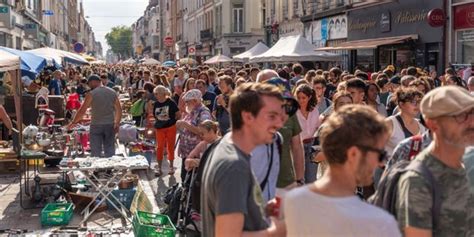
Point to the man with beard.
(449, 114)
(352, 141)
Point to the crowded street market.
(353, 118)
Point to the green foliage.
(120, 41)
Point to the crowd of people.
(299, 152)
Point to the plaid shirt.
(402, 150)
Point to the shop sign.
(385, 21)
(464, 16)
(331, 28)
(168, 40)
(410, 17)
(363, 26)
(436, 17)
(192, 50)
(4, 10)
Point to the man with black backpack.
(431, 196)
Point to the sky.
(102, 15)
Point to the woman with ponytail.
(308, 118)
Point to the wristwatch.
(300, 182)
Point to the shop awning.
(370, 43)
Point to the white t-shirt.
(310, 214)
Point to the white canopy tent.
(291, 49)
(8, 61)
(58, 56)
(218, 59)
(257, 49)
(151, 61)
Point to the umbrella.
(151, 61)
(58, 56)
(30, 63)
(8, 61)
(169, 64)
(89, 58)
(218, 59)
(188, 61)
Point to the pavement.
(13, 217)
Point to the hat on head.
(93, 77)
(395, 80)
(391, 68)
(284, 88)
(193, 94)
(446, 101)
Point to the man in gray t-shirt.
(231, 198)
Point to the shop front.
(402, 33)
(330, 32)
(464, 33)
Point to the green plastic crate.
(147, 224)
(56, 214)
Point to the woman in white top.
(404, 124)
(308, 118)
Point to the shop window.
(365, 59)
(465, 46)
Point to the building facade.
(29, 24)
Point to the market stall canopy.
(218, 59)
(188, 61)
(30, 64)
(169, 64)
(259, 48)
(87, 57)
(292, 49)
(151, 61)
(8, 61)
(370, 43)
(58, 56)
(98, 62)
(129, 61)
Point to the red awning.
(370, 43)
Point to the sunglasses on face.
(382, 153)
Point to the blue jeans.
(102, 138)
(310, 168)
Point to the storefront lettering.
(410, 17)
(358, 25)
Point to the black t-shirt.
(165, 113)
(208, 100)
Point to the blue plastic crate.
(125, 196)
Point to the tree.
(120, 41)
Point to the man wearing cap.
(449, 114)
(196, 112)
(106, 114)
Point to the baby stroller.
(179, 208)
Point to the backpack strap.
(404, 128)
(415, 146)
(420, 168)
(270, 155)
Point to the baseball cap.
(193, 94)
(284, 88)
(395, 80)
(93, 77)
(446, 101)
